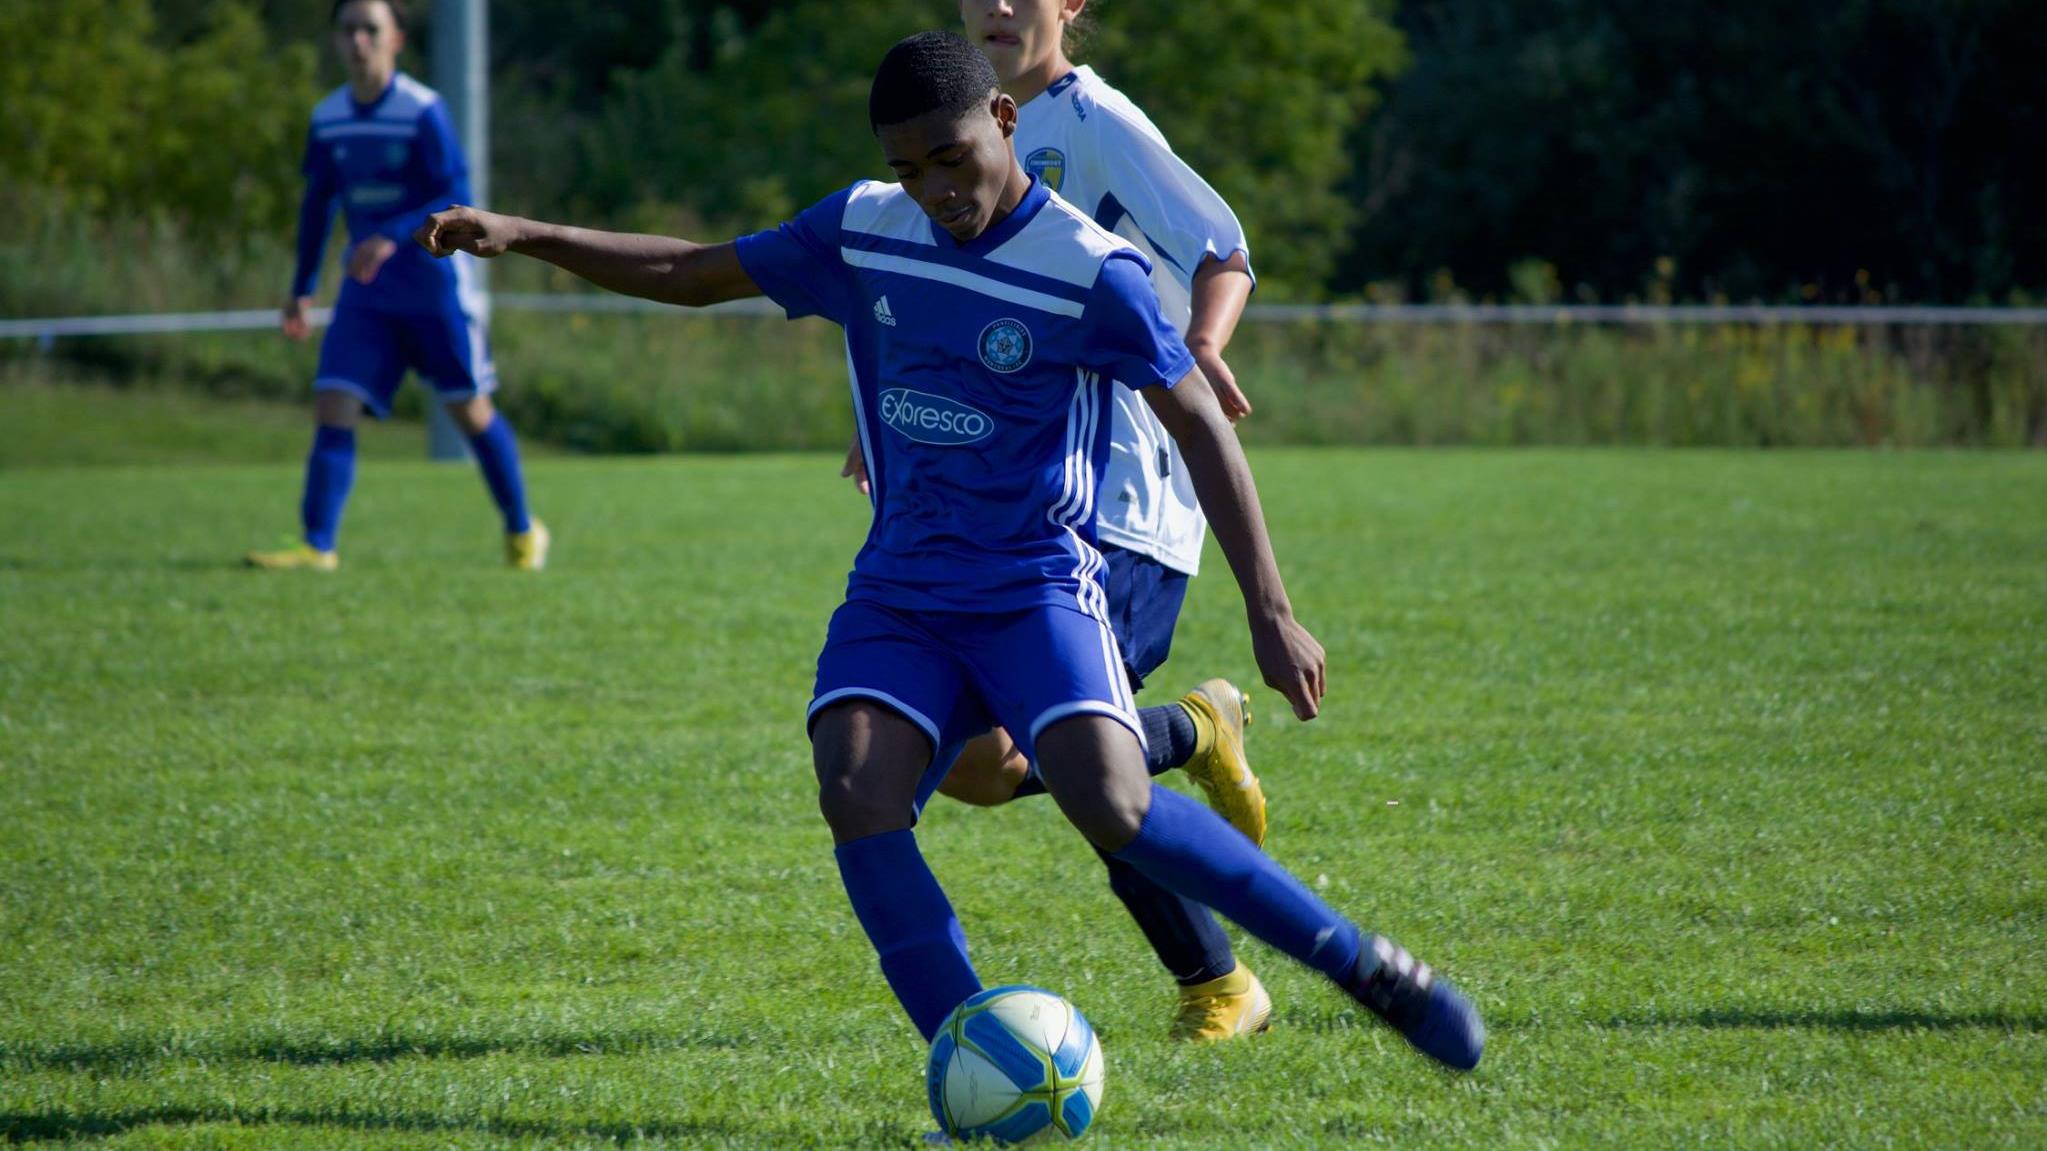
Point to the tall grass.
(652, 383)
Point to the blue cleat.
(1430, 1014)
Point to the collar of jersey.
(1059, 87)
(370, 108)
(1034, 198)
(1065, 82)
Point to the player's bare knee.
(472, 415)
(1109, 817)
(868, 760)
(1094, 768)
(854, 812)
(334, 408)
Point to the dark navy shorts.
(1145, 597)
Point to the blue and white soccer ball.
(1013, 1064)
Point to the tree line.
(1841, 150)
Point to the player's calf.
(988, 771)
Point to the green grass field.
(1716, 778)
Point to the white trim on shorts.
(340, 384)
(910, 713)
(1057, 712)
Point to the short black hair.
(931, 71)
(397, 8)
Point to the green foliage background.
(1858, 151)
(126, 122)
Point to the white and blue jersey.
(982, 375)
(389, 165)
(1102, 154)
(981, 386)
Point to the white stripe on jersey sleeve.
(960, 278)
(880, 209)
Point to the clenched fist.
(471, 230)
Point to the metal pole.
(461, 68)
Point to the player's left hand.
(855, 467)
(1234, 403)
(1291, 661)
(368, 257)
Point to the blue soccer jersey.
(981, 375)
(390, 164)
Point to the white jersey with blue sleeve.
(1102, 154)
(389, 164)
(982, 379)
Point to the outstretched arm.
(1289, 658)
(652, 267)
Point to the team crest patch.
(1048, 165)
(1005, 345)
(395, 154)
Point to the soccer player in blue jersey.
(1088, 142)
(985, 321)
(381, 144)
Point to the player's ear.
(1004, 110)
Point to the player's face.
(1018, 36)
(955, 168)
(368, 38)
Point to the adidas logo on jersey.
(881, 313)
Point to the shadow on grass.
(1729, 1019)
(33, 1126)
(315, 1051)
(1824, 1020)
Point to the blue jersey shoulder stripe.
(980, 265)
(961, 278)
(387, 129)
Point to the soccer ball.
(1014, 1063)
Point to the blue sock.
(330, 472)
(906, 916)
(497, 453)
(1188, 849)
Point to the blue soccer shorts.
(366, 353)
(958, 674)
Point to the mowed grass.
(53, 416)
(1717, 779)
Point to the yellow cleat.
(1221, 713)
(527, 550)
(1223, 1008)
(298, 557)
